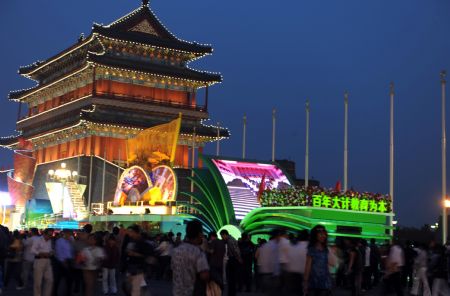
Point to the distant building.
(289, 167)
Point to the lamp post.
(444, 159)
(62, 175)
(447, 203)
(445, 211)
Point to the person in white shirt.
(42, 269)
(420, 272)
(268, 261)
(28, 257)
(395, 262)
(92, 258)
(295, 265)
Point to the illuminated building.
(119, 80)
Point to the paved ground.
(163, 288)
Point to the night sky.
(275, 54)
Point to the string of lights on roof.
(92, 126)
(11, 136)
(86, 41)
(198, 55)
(54, 109)
(94, 107)
(146, 6)
(59, 56)
(98, 37)
(101, 43)
(164, 48)
(202, 122)
(35, 64)
(153, 74)
(39, 88)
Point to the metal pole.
(444, 162)
(307, 146)
(391, 157)
(104, 177)
(90, 184)
(218, 139)
(78, 168)
(193, 160)
(244, 135)
(118, 167)
(273, 134)
(345, 141)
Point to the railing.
(182, 207)
(123, 98)
(44, 221)
(152, 101)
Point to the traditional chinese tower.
(121, 79)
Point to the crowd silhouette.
(126, 260)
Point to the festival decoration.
(165, 183)
(320, 198)
(154, 145)
(133, 185)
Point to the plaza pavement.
(163, 288)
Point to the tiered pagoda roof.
(139, 35)
(136, 49)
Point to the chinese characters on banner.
(349, 203)
(292, 197)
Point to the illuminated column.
(307, 145)
(273, 134)
(391, 157)
(218, 139)
(244, 135)
(444, 162)
(345, 141)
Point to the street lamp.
(63, 175)
(447, 203)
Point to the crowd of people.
(71, 262)
(301, 196)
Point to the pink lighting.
(243, 180)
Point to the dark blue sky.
(277, 54)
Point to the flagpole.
(345, 141)
(444, 161)
(273, 134)
(103, 178)
(193, 161)
(90, 178)
(244, 135)
(118, 167)
(307, 146)
(218, 139)
(391, 158)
